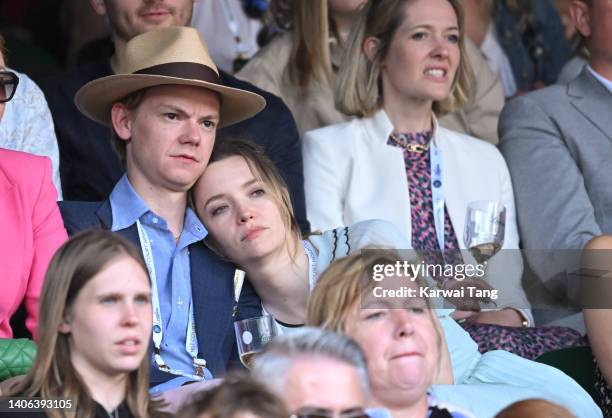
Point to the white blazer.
(352, 175)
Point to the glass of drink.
(252, 334)
(484, 229)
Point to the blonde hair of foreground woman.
(339, 292)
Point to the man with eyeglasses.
(317, 373)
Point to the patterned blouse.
(418, 173)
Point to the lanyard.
(312, 263)
(437, 192)
(238, 282)
(234, 27)
(191, 341)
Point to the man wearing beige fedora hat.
(164, 106)
(89, 167)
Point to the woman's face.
(109, 322)
(424, 54)
(401, 345)
(238, 212)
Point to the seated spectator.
(89, 166)
(245, 206)
(301, 66)
(32, 230)
(25, 120)
(483, 383)
(235, 397)
(402, 344)
(556, 142)
(523, 40)
(100, 366)
(317, 373)
(164, 125)
(532, 408)
(379, 166)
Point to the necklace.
(404, 141)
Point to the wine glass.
(484, 230)
(252, 334)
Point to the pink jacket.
(31, 231)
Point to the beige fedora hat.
(175, 55)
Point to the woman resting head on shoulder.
(246, 208)
(95, 331)
(238, 396)
(401, 337)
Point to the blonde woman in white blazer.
(413, 50)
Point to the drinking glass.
(252, 334)
(484, 230)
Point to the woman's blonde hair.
(266, 173)
(358, 85)
(340, 289)
(309, 23)
(52, 374)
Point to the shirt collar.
(607, 83)
(126, 205)
(194, 226)
(380, 126)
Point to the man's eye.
(209, 124)
(171, 116)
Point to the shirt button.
(437, 183)
(155, 220)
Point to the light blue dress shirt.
(173, 273)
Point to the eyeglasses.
(327, 413)
(8, 85)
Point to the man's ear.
(370, 47)
(581, 16)
(122, 123)
(98, 6)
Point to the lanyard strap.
(191, 341)
(313, 275)
(238, 282)
(234, 27)
(437, 191)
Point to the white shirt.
(607, 83)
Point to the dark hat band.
(187, 70)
